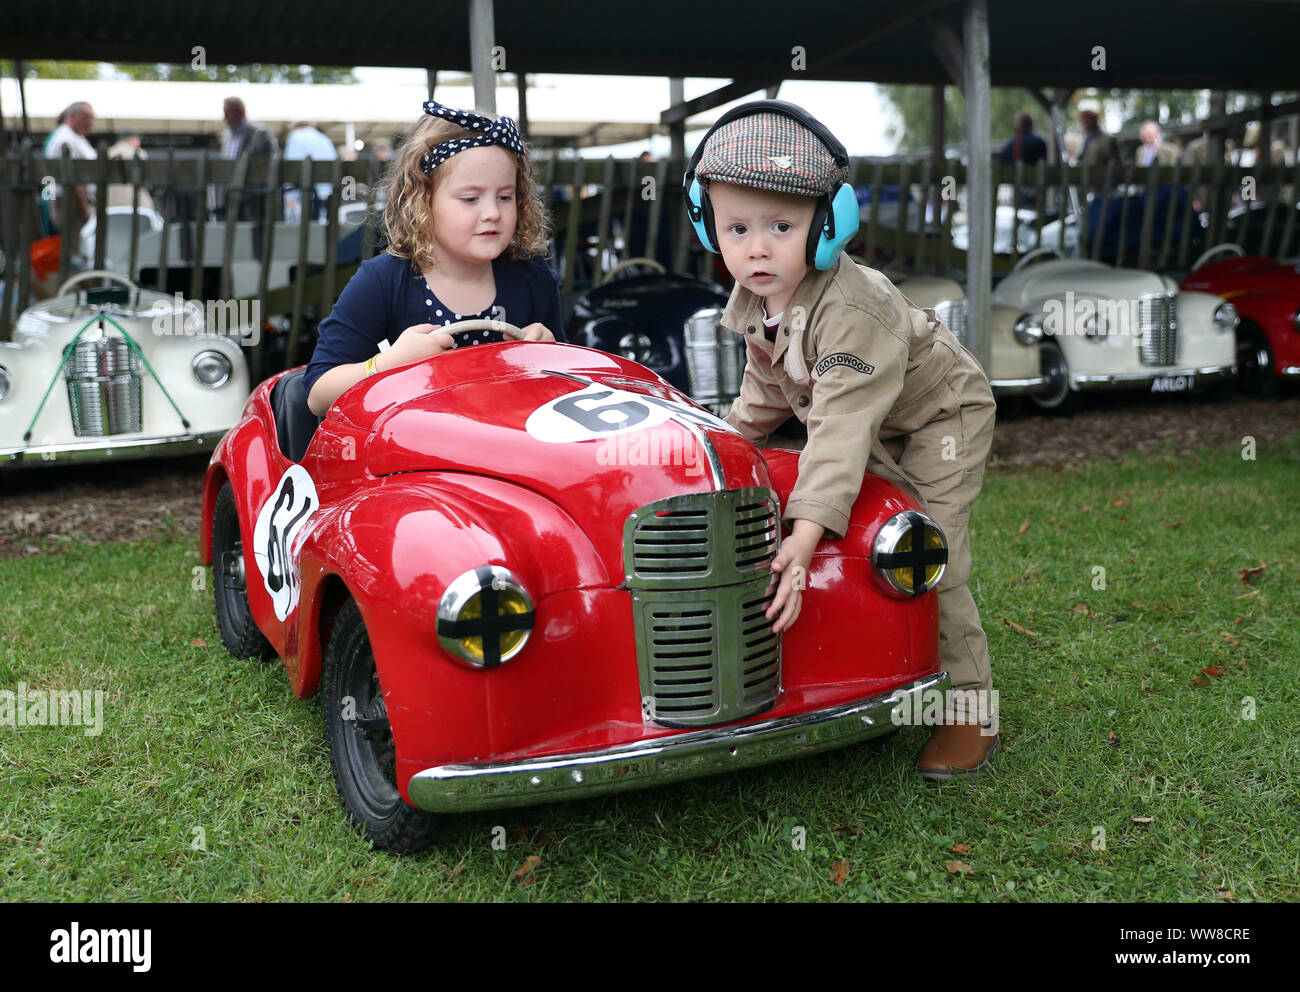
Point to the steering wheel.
(1227, 246)
(479, 331)
(628, 263)
(1037, 253)
(96, 274)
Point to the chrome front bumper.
(1127, 380)
(1014, 386)
(98, 449)
(469, 787)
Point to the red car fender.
(841, 574)
(397, 547)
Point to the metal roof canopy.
(1193, 44)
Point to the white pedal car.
(1110, 328)
(119, 372)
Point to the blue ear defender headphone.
(835, 219)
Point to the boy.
(871, 376)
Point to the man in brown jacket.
(879, 383)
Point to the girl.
(466, 239)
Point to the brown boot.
(957, 749)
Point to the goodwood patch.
(843, 358)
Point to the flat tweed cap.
(773, 152)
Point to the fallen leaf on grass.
(958, 868)
(839, 871)
(1112, 738)
(520, 832)
(1120, 501)
(848, 831)
(961, 849)
(198, 642)
(1215, 670)
(1199, 681)
(524, 873)
(1246, 574)
(1142, 819)
(1224, 894)
(1016, 626)
(1173, 523)
(1081, 609)
(1023, 527)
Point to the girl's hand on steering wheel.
(419, 341)
(537, 332)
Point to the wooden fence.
(1114, 214)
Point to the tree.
(257, 72)
(912, 104)
(165, 71)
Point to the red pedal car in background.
(1267, 297)
(527, 572)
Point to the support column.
(521, 85)
(938, 165)
(482, 39)
(677, 166)
(979, 206)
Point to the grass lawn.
(211, 782)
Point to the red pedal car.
(1267, 297)
(527, 572)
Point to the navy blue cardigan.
(386, 296)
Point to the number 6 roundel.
(595, 412)
(278, 534)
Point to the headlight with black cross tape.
(909, 554)
(485, 617)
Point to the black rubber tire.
(1255, 373)
(362, 751)
(239, 632)
(1056, 397)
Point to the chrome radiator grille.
(1158, 324)
(103, 377)
(953, 313)
(697, 569)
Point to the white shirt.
(307, 142)
(63, 136)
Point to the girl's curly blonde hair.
(408, 213)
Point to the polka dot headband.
(499, 132)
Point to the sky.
(854, 112)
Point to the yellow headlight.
(909, 553)
(485, 617)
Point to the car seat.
(295, 424)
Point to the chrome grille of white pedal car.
(1158, 323)
(103, 376)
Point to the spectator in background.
(1154, 150)
(383, 150)
(1024, 146)
(1099, 147)
(243, 137)
(304, 142)
(122, 194)
(76, 121)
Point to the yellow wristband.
(371, 367)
